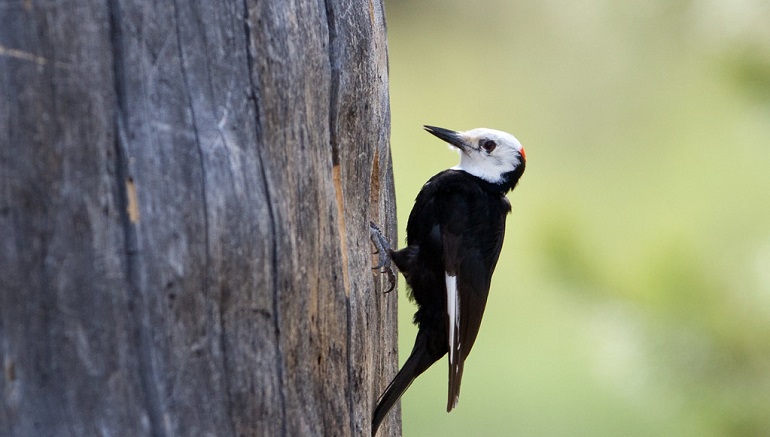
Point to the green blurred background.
(632, 297)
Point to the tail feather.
(455, 377)
(417, 363)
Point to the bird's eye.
(488, 145)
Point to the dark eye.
(488, 145)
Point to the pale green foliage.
(632, 296)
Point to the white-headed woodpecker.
(454, 236)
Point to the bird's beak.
(450, 136)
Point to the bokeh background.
(632, 297)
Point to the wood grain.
(185, 192)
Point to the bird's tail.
(417, 363)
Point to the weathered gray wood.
(185, 191)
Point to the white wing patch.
(453, 311)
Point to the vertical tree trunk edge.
(185, 194)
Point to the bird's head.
(488, 154)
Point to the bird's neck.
(509, 180)
(505, 183)
(502, 183)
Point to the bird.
(454, 237)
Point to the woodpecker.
(454, 236)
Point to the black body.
(456, 227)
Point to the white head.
(485, 153)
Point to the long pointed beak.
(450, 136)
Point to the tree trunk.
(185, 193)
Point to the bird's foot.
(383, 252)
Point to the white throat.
(490, 170)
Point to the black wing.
(472, 238)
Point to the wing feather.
(453, 328)
(468, 264)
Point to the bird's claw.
(384, 259)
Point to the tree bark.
(185, 192)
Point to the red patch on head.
(523, 154)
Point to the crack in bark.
(336, 174)
(135, 299)
(273, 221)
(206, 286)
